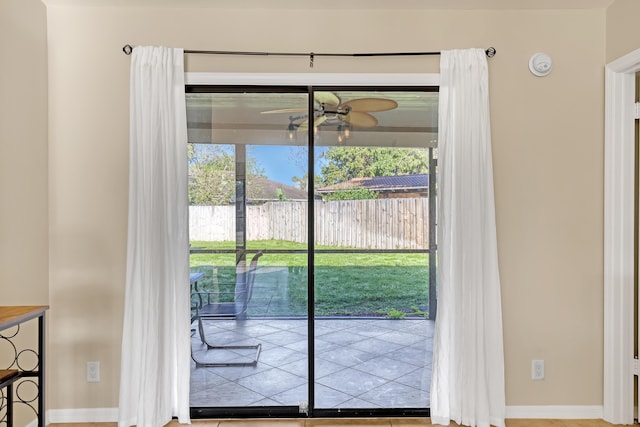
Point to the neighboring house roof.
(395, 183)
(265, 190)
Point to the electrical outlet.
(93, 372)
(537, 369)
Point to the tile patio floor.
(360, 363)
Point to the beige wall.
(622, 24)
(548, 149)
(23, 153)
(24, 263)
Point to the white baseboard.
(110, 415)
(556, 412)
(82, 415)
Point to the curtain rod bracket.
(311, 60)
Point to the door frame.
(619, 234)
(312, 81)
(308, 79)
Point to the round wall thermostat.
(540, 64)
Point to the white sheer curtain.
(154, 380)
(468, 360)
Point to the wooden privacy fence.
(401, 223)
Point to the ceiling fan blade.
(316, 122)
(304, 125)
(359, 119)
(371, 104)
(326, 98)
(319, 120)
(285, 110)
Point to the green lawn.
(394, 285)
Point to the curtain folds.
(468, 359)
(154, 383)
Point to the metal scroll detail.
(25, 389)
(3, 406)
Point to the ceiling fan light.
(346, 131)
(291, 132)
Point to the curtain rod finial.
(491, 52)
(127, 49)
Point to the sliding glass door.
(248, 232)
(312, 228)
(372, 327)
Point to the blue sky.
(280, 163)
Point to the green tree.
(280, 195)
(299, 156)
(303, 181)
(345, 163)
(300, 182)
(358, 193)
(212, 179)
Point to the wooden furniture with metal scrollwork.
(14, 316)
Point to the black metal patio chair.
(232, 304)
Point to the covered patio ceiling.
(265, 118)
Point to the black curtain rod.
(127, 49)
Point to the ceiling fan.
(329, 107)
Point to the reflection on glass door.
(373, 322)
